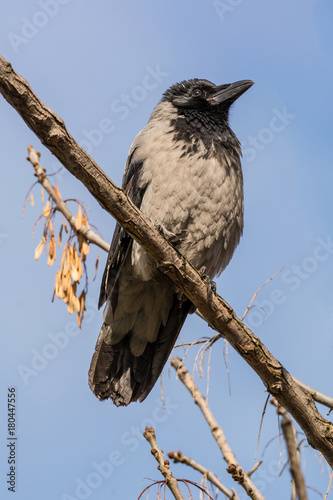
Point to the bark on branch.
(51, 130)
(163, 465)
(233, 466)
(90, 235)
(179, 457)
(290, 437)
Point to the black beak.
(230, 92)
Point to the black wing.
(121, 243)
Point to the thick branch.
(53, 134)
(233, 466)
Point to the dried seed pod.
(39, 248)
(46, 209)
(60, 235)
(78, 219)
(52, 252)
(57, 191)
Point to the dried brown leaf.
(85, 249)
(60, 235)
(96, 268)
(39, 248)
(74, 264)
(58, 287)
(78, 219)
(76, 273)
(57, 190)
(82, 300)
(80, 314)
(67, 260)
(66, 283)
(70, 307)
(73, 301)
(85, 220)
(50, 227)
(63, 257)
(52, 252)
(46, 209)
(69, 301)
(32, 199)
(76, 304)
(80, 240)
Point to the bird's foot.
(173, 238)
(211, 285)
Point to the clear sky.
(91, 61)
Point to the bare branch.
(289, 433)
(90, 235)
(329, 487)
(163, 465)
(52, 132)
(254, 468)
(179, 457)
(234, 468)
(256, 293)
(317, 395)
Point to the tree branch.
(53, 134)
(90, 235)
(179, 457)
(318, 396)
(163, 465)
(289, 433)
(234, 468)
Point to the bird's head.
(204, 95)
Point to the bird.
(183, 171)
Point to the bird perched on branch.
(184, 172)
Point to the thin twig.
(234, 468)
(163, 464)
(261, 422)
(179, 457)
(262, 286)
(196, 342)
(254, 468)
(329, 487)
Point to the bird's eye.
(196, 93)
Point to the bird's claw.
(173, 238)
(211, 285)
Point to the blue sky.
(83, 59)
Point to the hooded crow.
(183, 172)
